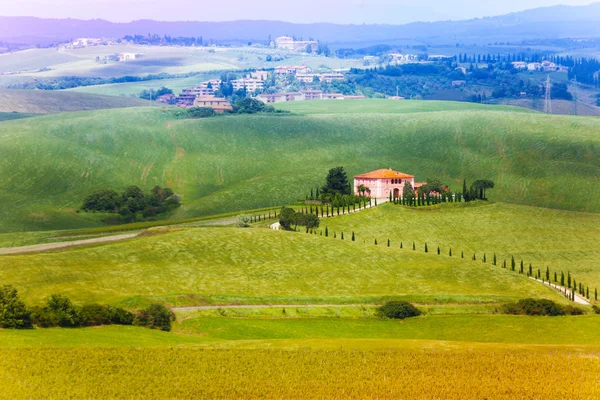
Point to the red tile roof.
(384, 174)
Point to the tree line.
(132, 204)
(60, 311)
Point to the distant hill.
(231, 163)
(51, 102)
(563, 107)
(547, 22)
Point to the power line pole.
(548, 101)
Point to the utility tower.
(548, 101)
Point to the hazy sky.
(338, 11)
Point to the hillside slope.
(50, 102)
(230, 163)
(236, 266)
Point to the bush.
(290, 219)
(398, 310)
(156, 316)
(13, 313)
(539, 307)
(97, 314)
(200, 112)
(596, 309)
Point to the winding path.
(38, 248)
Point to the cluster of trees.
(59, 311)
(151, 94)
(585, 70)
(166, 40)
(478, 189)
(289, 219)
(398, 310)
(133, 203)
(68, 82)
(540, 307)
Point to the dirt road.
(38, 248)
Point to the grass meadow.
(233, 163)
(561, 240)
(198, 266)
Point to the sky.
(299, 11)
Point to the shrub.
(96, 314)
(398, 310)
(200, 112)
(572, 310)
(596, 309)
(59, 311)
(535, 307)
(13, 313)
(155, 316)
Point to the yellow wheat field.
(184, 373)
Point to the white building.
(251, 84)
(127, 56)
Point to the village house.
(214, 84)
(198, 91)
(398, 58)
(281, 97)
(382, 182)
(333, 96)
(219, 104)
(308, 78)
(536, 66)
(260, 75)
(251, 84)
(312, 94)
(519, 65)
(330, 77)
(291, 70)
(127, 56)
(288, 43)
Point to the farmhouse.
(288, 43)
(281, 97)
(382, 182)
(127, 56)
(251, 84)
(218, 104)
(291, 70)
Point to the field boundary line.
(40, 248)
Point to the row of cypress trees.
(567, 281)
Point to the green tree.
(408, 193)
(494, 262)
(353, 237)
(155, 316)
(13, 312)
(336, 182)
(480, 186)
(426, 249)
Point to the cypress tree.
(388, 242)
(312, 195)
(390, 197)
(462, 254)
(521, 271)
(375, 201)
(401, 245)
(474, 257)
(512, 263)
(334, 235)
(484, 258)
(555, 277)
(326, 232)
(450, 252)
(504, 264)
(587, 292)
(569, 279)
(530, 270)
(426, 250)
(375, 242)
(414, 246)
(494, 262)
(596, 294)
(353, 237)
(439, 250)
(522, 266)
(547, 274)
(539, 273)
(562, 278)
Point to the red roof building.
(380, 183)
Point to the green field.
(44, 63)
(30, 102)
(135, 88)
(256, 266)
(233, 163)
(562, 240)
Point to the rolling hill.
(50, 102)
(547, 22)
(231, 163)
